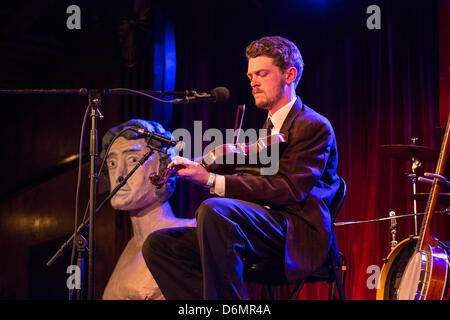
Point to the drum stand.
(415, 153)
(393, 229)
(415, 163)
(413, 177)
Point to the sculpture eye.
(132, 160)
(111, 163)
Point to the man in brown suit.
(284, 215)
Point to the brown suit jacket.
(302, 189)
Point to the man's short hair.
(285, 53)
(162, 192)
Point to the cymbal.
(443, 198)
(408, 151)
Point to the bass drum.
(393, 268)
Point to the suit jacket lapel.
(296, 109)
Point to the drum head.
(412, 277)
(393, 269)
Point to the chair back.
(338, 200)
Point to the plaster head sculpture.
(146, 204)
(127, 149)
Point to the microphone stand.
(94, 102)
(94, 96)
(82, 246)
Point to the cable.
(140, 93)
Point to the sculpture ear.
(164, 192)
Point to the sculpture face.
(138, 192)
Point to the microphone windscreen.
(222, 94)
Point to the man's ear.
(290, 74)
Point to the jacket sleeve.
(301, 165)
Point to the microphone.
(154, 135)
(219, 95)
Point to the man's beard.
(268, 104)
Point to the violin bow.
(237, 131)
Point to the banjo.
(425, 275)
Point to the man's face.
(267, 81)
(138, 192)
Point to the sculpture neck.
(149, 219)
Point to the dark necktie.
(268, 125)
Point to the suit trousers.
(207, 261)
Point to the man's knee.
(216, 211)
(209, 210)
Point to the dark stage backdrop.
(376, 87)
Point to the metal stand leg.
(413, 176)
